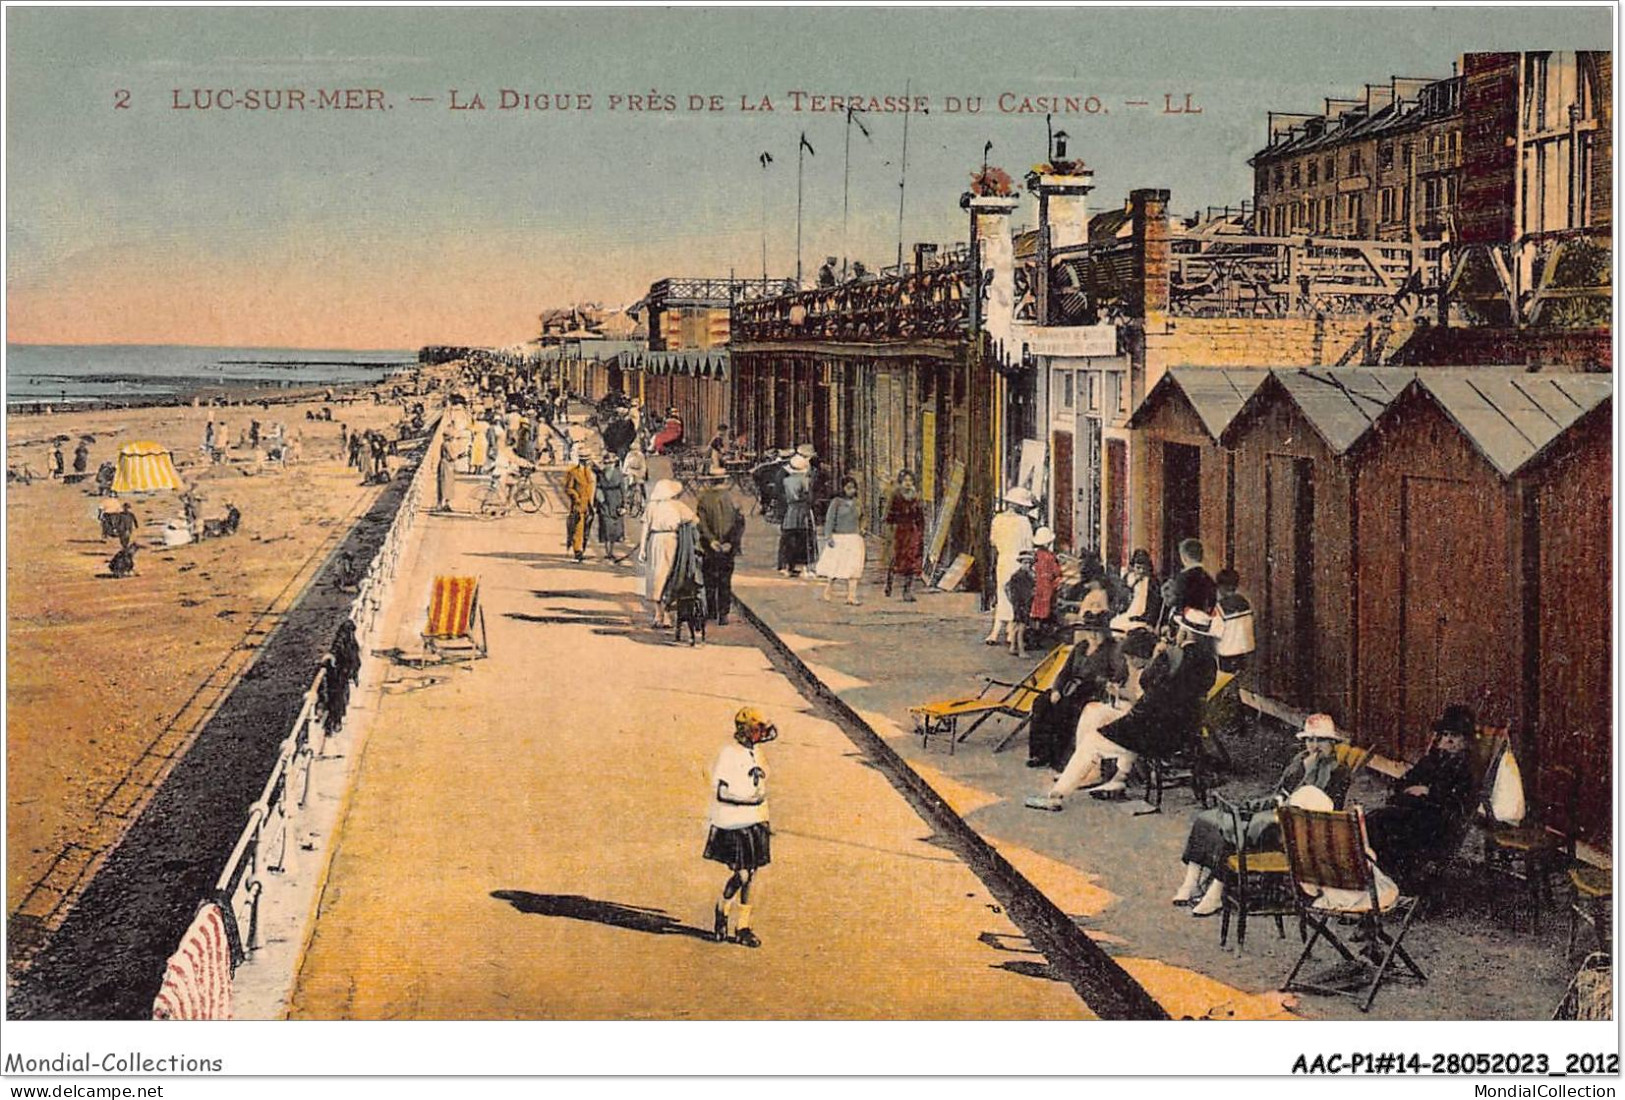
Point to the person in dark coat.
(81, 457)
(121, 525)
(609, 502)
(618, 435)
(683, 596)
(722, 526)
(1431, 801)
(1175, 690)
(1093, 663)
(1019, 590)
(346, 671)
(905, 529)
(796, 526)
(1193, 585)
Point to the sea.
(144, 374)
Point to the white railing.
(263, 844)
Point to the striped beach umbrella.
(145, 468)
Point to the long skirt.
(843, 561)
(662, 551)
(1210, 842)
(445, 482)
(1003, 609)
(743, 849)
(794, 547)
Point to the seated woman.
(670, 435)
(1433, 798)
(1093, 663)
(1145, 599)
(1210, 842)
(1100, 709)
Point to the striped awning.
(145, 468)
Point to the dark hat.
(1139, 643)
(1227, 578)
(1457, 719)
(1095, 620)
(1140, 557)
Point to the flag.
(807, 145)
(851, 116)
(766, 159)
(986, 149)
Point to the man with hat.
(1175, 690)
(739, 836)
(1430, 802)
(1316, 776)
(1093, 663)
(580, 487)
(1011, 535)
(769, 478)
(722, 526)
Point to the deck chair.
(942, 719)
(1334, 881)
(1193, 763)
(1256, 882)
(454, 610)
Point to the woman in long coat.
(1011, 535)
(609, 501)
(905, 523)
(796, 528)
(657, 548)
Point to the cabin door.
(1061, 450)
(1181, 502)
(1289, 568)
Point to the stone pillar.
(994, 253)
(1149, 295)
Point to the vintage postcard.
(1061, 514)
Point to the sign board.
(945, 514)
(954, 576)
(1079, 340)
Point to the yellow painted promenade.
(523, 839)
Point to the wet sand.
(100, 671)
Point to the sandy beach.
(107, 677)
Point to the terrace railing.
(930, 304)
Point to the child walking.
(739, 833)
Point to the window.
(1280, 179)
(1296, 180)
(1385, 205)
(1092, 381)
(1405, 156)
(1331, 169)
(1385, 155)
(1120, 384)
(1067, 390)
(1356, 162)
(1314, 173)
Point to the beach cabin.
(1481, 529)
(1292, 526)
(1181, 473)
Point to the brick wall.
(1260, 342)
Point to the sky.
(131, 220)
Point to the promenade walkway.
(523, 838)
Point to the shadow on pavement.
(632, 917)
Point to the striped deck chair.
(942, 719)
(454, 608)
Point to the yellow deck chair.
(454, 609)
(942, 719)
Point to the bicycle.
(637, 498)
(522, 493)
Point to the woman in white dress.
(658, 546)
(1012, 535)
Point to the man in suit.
(721, 528)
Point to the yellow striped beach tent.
(145, 468)
(454, 609)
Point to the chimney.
(1149, 292)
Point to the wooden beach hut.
(1484, 569)
(1181, 476)
(1290, 526)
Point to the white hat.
(1043, 537)
(807, 450)
(1197, 621)
(1021, 497)
(1311, 798)
(799, 464)
(1321, 725)
(666, 489)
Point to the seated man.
(1093, 663)
(1107, 706)
(1210, 842)
(1432, 800)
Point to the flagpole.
(846, 193)
(764, 219)
(801, 160)
(902, 184)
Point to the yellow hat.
(749, 718)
